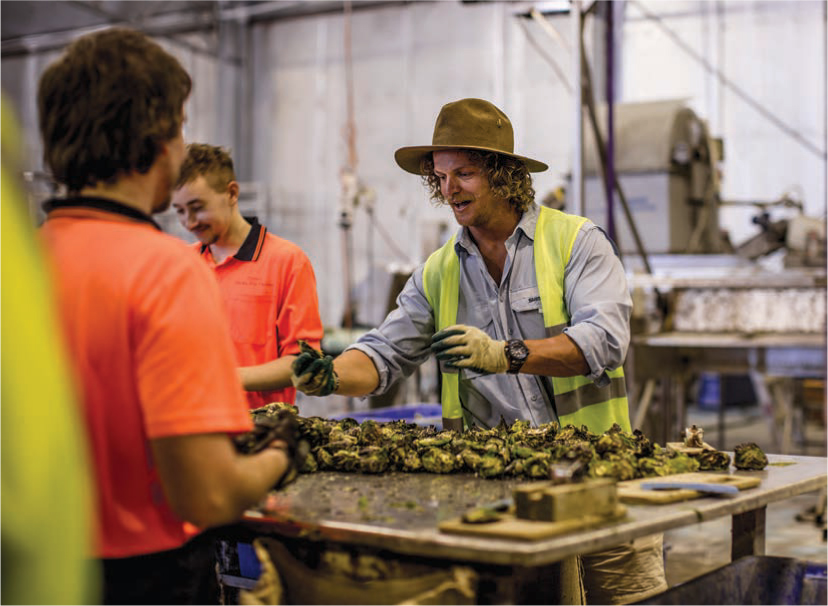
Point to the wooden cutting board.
(511, 527)
(631, 491)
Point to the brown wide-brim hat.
(467, 124)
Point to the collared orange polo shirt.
(149, 343)
(269, 291)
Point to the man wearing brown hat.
(526, 308)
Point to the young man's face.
(466, 189)
(203, 211)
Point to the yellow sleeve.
(45, 481)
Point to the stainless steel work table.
(399, 513)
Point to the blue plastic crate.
(753, 580)
(710, 393)
(249, 564)
(421, 414)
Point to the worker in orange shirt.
(144, 324)
(267, 283)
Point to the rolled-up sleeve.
(402, 342)
(599, 302)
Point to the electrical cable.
(744, 96)
(555, 67)
(349, 171)
(386, 237)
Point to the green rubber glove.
(462, 346)
(313, 372)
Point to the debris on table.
(693, 437)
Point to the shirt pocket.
(249, 319)
(527, 312)
(526, 300)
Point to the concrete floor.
(695, 550)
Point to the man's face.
(203, 211)
(465, 187)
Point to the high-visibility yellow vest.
(47, 481)
(577, 399)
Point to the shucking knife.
(489, 512)
(708, 487)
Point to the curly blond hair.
(508, 177)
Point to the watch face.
(518, 351)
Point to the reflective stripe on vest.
(577, 399)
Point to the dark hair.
(107, 104)
(508, 177)
(211, 162)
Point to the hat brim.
(410, 158)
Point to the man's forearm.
(557, 356)
(270, 375)
(208, 483)
(357, 374)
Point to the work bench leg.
(748, 533)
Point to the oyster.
(438, 461)
(714, 460)
(373, 459)
(749, 456)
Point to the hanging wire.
(348, 173)
(559, 72)
(724, 80)
(350, 126)
(388, 239)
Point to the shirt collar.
(251, 248)
(527, 224)
(103, 204)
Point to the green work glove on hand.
(313, 372)
(282, 426)
(461, 346)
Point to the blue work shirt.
(597, 298)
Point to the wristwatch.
(516, 353)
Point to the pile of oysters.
(516, 449)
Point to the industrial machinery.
(802, 237)
(700, 304)
(666, 164)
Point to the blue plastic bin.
(249, 565)
(753, 580)
(710, 393)
(421, 414)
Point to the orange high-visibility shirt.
(149, 343)
(269, 291)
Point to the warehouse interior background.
(719, 113)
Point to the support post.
(748, 533)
